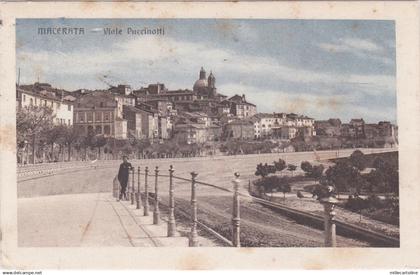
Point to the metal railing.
(142, 200)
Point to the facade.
(196, 133)
(241, 108)
(62, 108)
(239, 129)
(276, 125)
(328, 128)
(288, 132)
(98, 112)
(143, 124)
(358, 126)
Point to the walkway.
(90, 220)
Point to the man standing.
(123, 176)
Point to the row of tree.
(264, 170)
(350, 175)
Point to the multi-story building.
(98, 112)
(196, 133)
(328, 128)
(239, 129)
(141, 123)
(272, 124)
(358, 125)
(241, 108)
(288, 132)
(42, 94)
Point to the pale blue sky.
(321, 68)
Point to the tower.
(211, 80)
(202, 73)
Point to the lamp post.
(156, 211)
(171, 219)
(236, 220)
(193, 240)
(329, 219)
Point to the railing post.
(329, 221)
(236, 220)
(171, 219)
(193, 240)
(156, 212)
(138, 193)
(146, 192)
(132, 187)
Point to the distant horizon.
(322, 68)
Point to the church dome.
(200, 84)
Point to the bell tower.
(202, 73)
(211, 80)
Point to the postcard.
(272, 135)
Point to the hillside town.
(198, 116)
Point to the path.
(94, 219)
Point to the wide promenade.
(73, 206)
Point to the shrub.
(357, 159)
(306, 167)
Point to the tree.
(299, 194)
(292, 168)
(321, 191)
(342, 176)
(31, 121)
(306, 166)
(71, 136)
(358, 160)
(280, 165)
(284, 187)
(317, 171)
(52, 135)
(99, 141)
(357, 204)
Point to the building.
(270, 125)
(328, 128)
(288, 132)
(239, 129)
(358, 125)
(142, 123)
(98, 112)
(241, 108)
(42, 94)
(196, 133)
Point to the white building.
(62, 108)
(281, 125)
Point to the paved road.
(84, 219)
(217, 170)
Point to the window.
(106, 116)
(90, 117)
(98, 130)
(68, 122)
(45, 102)
(31, 102)
(69, 107)
(36, 101)
(107, 130)
(24, 98)
(98, 116)
(81, 117)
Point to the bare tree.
(30, 122)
